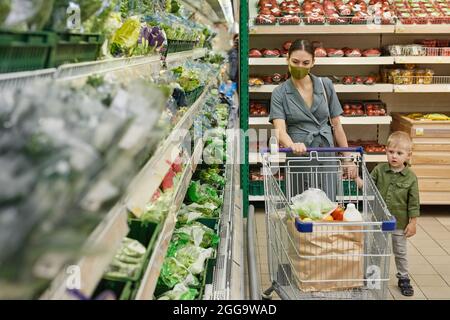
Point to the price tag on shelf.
(419, 132)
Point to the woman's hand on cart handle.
(327, 149)
(297, 148)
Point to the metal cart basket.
(325, 259)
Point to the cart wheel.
(266, 296)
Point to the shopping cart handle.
(327, 149)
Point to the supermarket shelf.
(422, 88)
(178, 58)
(422, 60)
(375, 157)
(354, 198)
(366, 120)
(323, 29)
(326, 61)
(350, 29)
(106, 239)
(20, 79)
(256, 198)
(150, 177)
(340, 88)
(264, 121)
(149, 281)
(422, 28)
(130, 67)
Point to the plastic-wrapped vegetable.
(197, 234)
(5, 8)
(179, 292)
(156, 211)
(173, 272)
(125, 39)
(27, 14)
(313, 204)
(127, 261)
(213, 177)
(202, 194)
(194, 257)
(195, 211)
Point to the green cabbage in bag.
(179, 292)
(173, 272)
(194, 257)
(27, 15)
(5, 8)
(197, 234)
(125, 39)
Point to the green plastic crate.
(256, 188)
(75, 47)
(25, 51)
(192, 96)
(350, 188)
(122, 290)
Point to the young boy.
(399, 188)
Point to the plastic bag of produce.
(27, 14)
(193, 257)
(5, 8)
(127, 261)
(313, 204)
(173, 272)
(179, 292)
(194, 211)
(197, 234)
(125, 39)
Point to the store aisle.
(429, 255)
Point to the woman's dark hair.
(302, 45)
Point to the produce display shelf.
(150, 177)
(340, 88)
(80, 71)
(106, 238)
(323, 29)
(264, 121)
(149, 281)
(422, 28)
(326, 61)
(422, 59)
(354, 198)
(422, 88)
(256, 198)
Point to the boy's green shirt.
(400, 191)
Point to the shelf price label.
(419, 132)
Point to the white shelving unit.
(422, 88)
(422, 59)
(326, 61)
(321, 29)
(340, 88)
(264, 121)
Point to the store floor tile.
(428, 251)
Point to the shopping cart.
(325, 260)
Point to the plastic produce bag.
(193, 258)
(179, 292)
(127, 261)
(197, 234)
(5, 8)
(27, 14)
(125, 39)
(194, 211)
(173, 272)
(313, 204)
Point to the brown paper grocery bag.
(311, 257)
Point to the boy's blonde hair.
(401, 140)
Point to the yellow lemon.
(328, 218)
